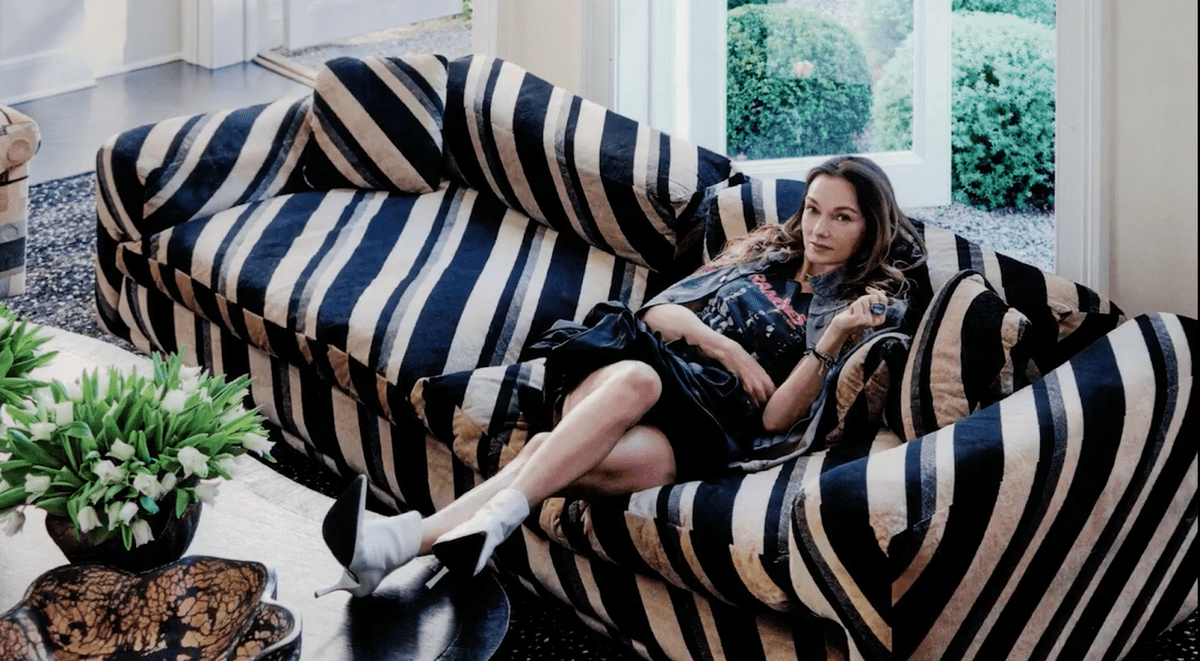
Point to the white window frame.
(663, 53)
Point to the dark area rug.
(59, 282)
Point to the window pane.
(818, 77)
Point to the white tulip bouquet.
(112, 449)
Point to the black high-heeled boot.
(369, 550)
(466, 548)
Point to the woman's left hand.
(867, 311)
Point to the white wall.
(1154, 191)
(123, 35)
(544, 37)
(41, 49)
(49, 47)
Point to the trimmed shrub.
(734, 4)
(884, 25)
(1042, 11)
(1002, 105)
(798, 84)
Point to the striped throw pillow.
(574, 165)
(858, 394)
(970, 350)
(378, 121)
(733, 211)
(481, 412)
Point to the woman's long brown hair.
(891, 244)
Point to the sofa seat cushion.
(573, 164)
(373, 290)
(724, 537)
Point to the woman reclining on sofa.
(719, 367)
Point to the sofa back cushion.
(378, 124)
(1065, 316)
(572, 164)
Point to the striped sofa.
(377, 256)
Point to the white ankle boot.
(369, 550)
(468, 546)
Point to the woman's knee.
(630, 382)
(641, 460)
(638, 380)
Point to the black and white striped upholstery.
(379, 122)
(572, 164)
(1056, 519)
(1058, 523)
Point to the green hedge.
(775, 112)
(1002, 104)
(1041, 11)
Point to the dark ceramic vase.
(172, 535)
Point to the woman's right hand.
(755, 380)
(676, 322)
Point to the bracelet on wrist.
(826, 360)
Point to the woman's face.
(832, 225)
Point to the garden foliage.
(798, 84)
(1002, 138)
(884, 25)
(1042, 11)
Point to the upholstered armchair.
(19, 141)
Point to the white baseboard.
(143, 64)
(44, 74)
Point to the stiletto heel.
(466, 549)
(368, 551)
(347, 583)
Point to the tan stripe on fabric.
(754, 577)
(588, 131)
(400, 261)
(660, 609)
(646, 159)
(369, 136)
(114, 217)
(329, 264)
(887, 499)
(1018, 421)
(503, 117)
(1137, 373)
(943, 256)
(158, 144)
(261, 140)
(409, 309)
(558, 113)
(944, 380)
(474, 101)
(285, 286)
(429, 68)
(941, 445)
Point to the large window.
(670, 58)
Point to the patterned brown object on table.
(196, 608)
(19, 141)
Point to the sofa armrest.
(1057, 519)
(163, 174)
